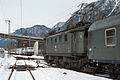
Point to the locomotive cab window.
(65, 37)
(55, 39)
(74, 36)
(51, 40)
(47, 41)
(60, 38)
(110, 37)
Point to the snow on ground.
(45, 73)
(62, 74)
(4, 64)
(34, 56)
(21, 75)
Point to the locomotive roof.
(67, 31)
(105, 23)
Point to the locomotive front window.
(110, 35)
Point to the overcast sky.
(41, 12)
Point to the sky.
(36, 12)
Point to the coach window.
(65, 37)
(110, 37)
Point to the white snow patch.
(5, 63)
(34, 56)
(21, 75)
(62, 74)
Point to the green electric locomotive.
(93, 50)
(67, 48)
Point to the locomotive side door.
(79, 43)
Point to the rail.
(23, 67)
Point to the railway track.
(21, 68)
(41, 64)
(13, 67)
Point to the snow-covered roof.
(105, 23)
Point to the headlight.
(90, 49)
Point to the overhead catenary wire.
(68, 14)
(61, 17)
(21, 13)
(58, 19)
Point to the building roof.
(105, 23)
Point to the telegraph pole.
(8, 21)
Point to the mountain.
(4, 42)
(93, 12)
(35, 31)
(89, 13)
(58, 25)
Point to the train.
(23, 51)
(28, 50)
(92, 48)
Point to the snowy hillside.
(36, 31)
(60, 24)
(94, 11)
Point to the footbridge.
(28, 38)
(12, 36)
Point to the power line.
(62, 13)
(55, 20)
(21, 12)
(58, 19)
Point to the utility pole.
(8, 21)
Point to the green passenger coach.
(104, 45)
(104, 40)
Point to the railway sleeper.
(22, 67)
